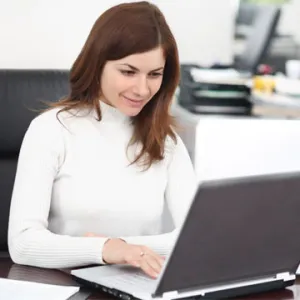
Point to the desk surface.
(275, 105)
(17, 272)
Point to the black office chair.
(21, 95)
(246, 15)
(264, 26)
(258, 42)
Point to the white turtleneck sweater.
(74, 179)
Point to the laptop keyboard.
(132, 282)
(114, 279)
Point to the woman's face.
(130, 83)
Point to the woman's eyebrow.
(136, 69)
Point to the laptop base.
(225, 294)
(248, 290)
(106, 290)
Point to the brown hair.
(123, 30)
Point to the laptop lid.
(236, 230)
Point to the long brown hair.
(120, 31)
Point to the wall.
(289, 22)
(50, 34)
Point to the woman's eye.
(155, 74)
(127, 72)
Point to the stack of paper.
(25, 290)
(223, 76)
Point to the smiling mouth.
(133, 100)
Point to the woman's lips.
(133, 102)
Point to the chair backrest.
(21, 95)
(258, 42)
(246, 13)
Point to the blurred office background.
(40, 34)
(43, 34)
(238, 106)
(285, 42)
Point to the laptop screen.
(237, 229)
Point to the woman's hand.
(90, 234)
(117, 251)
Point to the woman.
(96, 169)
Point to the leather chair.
(22, 93)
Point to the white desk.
(222, 146)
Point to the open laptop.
(240, 236)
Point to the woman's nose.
(142, 88)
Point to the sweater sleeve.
(180, 191)
(29, 240)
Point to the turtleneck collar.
(112, 114)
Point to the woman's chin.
(131, 111)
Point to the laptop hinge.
(286, 276)
(169, 295)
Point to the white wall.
(50, 34)
(289, 20)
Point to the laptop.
(240, 236)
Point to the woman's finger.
(153, 262)
(149, 264)
(148, 251)
(90, 234)
(146, 259)
(147, 268)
